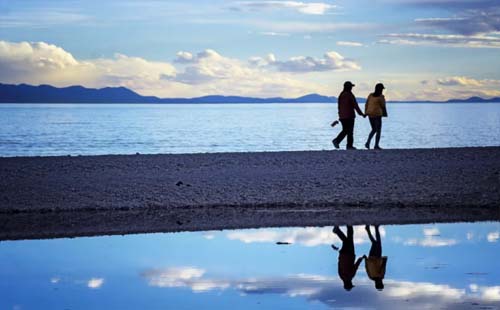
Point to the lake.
(434, 266)
(90, 129)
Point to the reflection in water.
(375, 263)
(246, 269)
(347, 267)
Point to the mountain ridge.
(24, 93)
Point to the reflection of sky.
(445, 264)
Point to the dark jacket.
(347, 105)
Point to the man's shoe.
(351, 148)
(335, 144)
(377, 148)
(367, 145)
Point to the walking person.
(347, 106)
(375, 263)
(375, 109)
(347, 267)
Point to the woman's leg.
(370, 136)
(379, 131)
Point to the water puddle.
(431, 266)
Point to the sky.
(420, 49)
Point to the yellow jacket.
(375, 106)
(375, 267)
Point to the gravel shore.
(45, 197)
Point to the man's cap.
(380, 85)
(348, 83)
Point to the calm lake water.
(428, 267)
(61, 129)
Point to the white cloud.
(42, 63)
(449, 40)
(349, 43)
(95, 283)
(184, 57)
(493, 236)
(42, 17)
(274, 34)
(463, 81)
(331, 61)
(310, 8)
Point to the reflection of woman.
(347, 266)
(375, 263)
(375, 110)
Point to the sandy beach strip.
(48, 197)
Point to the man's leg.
(342, 134)
(350, 132)
(339, 233)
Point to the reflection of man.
(375, 263)
(347, 266)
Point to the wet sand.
(48, 197)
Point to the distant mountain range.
(24, 93)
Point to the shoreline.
(70, 196)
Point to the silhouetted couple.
(375, 263)
(348, 107)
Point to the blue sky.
(421, 49)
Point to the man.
(347, 106)
(348, 265)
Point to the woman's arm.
(382, 105)
(366, 103)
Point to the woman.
(375, 110)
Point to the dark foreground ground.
(46, 197)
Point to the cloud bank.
(189, 75)
(328, 289)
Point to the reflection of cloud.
(431, 239)
(429, 232)
(309, 236)
(328, 289)
(493, 236)
(55, 280)
(95, 283)
(491, 293)
(416, 290)
(183, 277)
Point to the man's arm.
(356, 106)
(356, 265)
